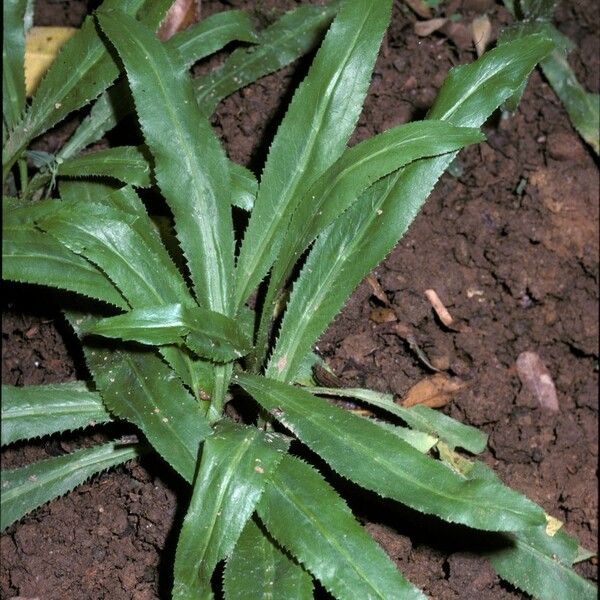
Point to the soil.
(509, 243)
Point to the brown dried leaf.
(377, 290)
(535, 376)
(434, 391)
(425, 28)
(420, 8)
(180, 16)
(383, 315)
(481, 29)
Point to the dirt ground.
(510, 244)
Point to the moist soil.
(509, 242)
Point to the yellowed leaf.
(42, 45)
(434, 391)
(552, 525)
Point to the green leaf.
(243, 186)
(30, 256)
(86, 191)
(361, 237)
(82, 70)
(423, 442)
(205, 332)
(37, 410)
(259, 570)
(212, 34)
(380, 461)
(236, 464)
(346, 179)
(13, 60)
(583, 107)
(135, 262)
(293, 35)
(360, 166)
(112, 106)
(313, 133)
(306, 516)
(27, 488)
(138, 386)
(193, 178)
(540, 565)
(126, 163)
(421, 418)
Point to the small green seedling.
(218, 389)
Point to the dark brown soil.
(510, 244)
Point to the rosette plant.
(218, 379)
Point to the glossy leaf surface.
(82, 70)
(139, 387)
(259, 570)
(30, 256)
(291, 36)
(37, 410)
(420, 418)
(13, 60)
(126, 163)
(211, 34)
(237, 462)
(133, 260)
(307, 517)
(319, 120)
(194, 179)
(361, 237)
(380, 461)
(205, 332)
(27, 488)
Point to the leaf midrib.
(289, 191)
(335, 430)
(288, 495)
(218, 303)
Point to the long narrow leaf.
(361, 238)
(236, 465)
(193, 178)
(82, 70)
(541, 565)
(420, 418)
(37, 410)
(259, 570)
(339, 187)
(138, 386)
(30, 256)
(201, 40)
(126, 163)
(314, 132)
(534, 560)
(27, 488)
(583, 107)
(380, 461)
(294, 34)
(211, 34)
(307, 517)
(205, 332)
(13, 60)
(138, 265)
